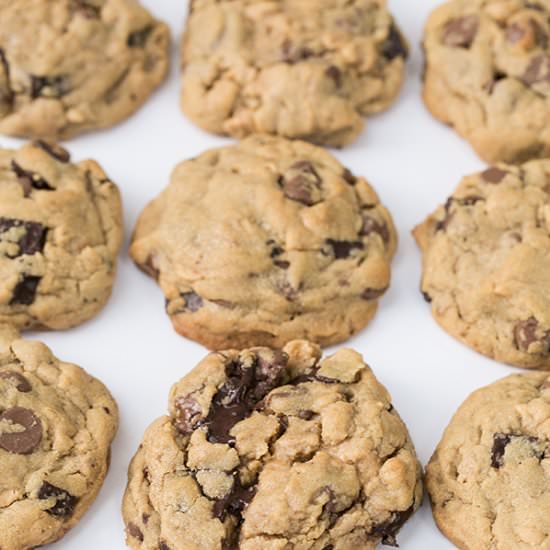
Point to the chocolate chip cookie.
(74, 65)
(488, 75)
(56, 427)
(306, 70)
(266, 241)
(60, 232)
(487, 263)
(269, 449)
(488, 478)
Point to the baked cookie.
(488, 478)
(266, 450)
(488, 75)
(297, 68)
(56, 427)
(60, 233)
(74, 65)
(266, 241)
(487, 263)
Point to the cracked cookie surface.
(60, 233)
(297, 68)
(490, 472)
(75, 65)
(266, 241)
(271, 450)
(486, 263)
(488, 75)
(56, 427)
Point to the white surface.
(413, 162)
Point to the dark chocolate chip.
(21, 383)
(145, 518)
(25, 290)
(134, 531)
(371, 225)
(276, 251)
(58, 84)
(493, 175)
(33, 239)
(461, 32)
(188, 414)
(335, 74)
(54, 150)
(283, 264)
(30, 179)
(343, 249)
(163, 546)
(306, 414)
(538, 70)
(441, 225)
(470, 200)
(388, 530)
(497, 77)
(65, 503)
(394, 45)
(193, 302)
(29, 439)
(235, 501)
(502, 440)
(349, 177)
(373, 293)
(87, 10)
(138, 39)
(301, 183)
(427, 297)
(525, 334)
(328, 547)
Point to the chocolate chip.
(65, 503)
(538, 70)
(343, 249)
(138, 39)
(493, 175)
(394, 45)
(193, 302)
(335, 74)
(461, 32)
(25, 290)
(470, 200)
(502, 440)
(388, 530)
(33, 239)
(149, 268)
(87, 10)
(516, 31)
(349, 177)
(235, 501)
(371, 225)
(373, 293)
(22, 442)
(292, 54)
(427, 297)
(163, 546)
(30, 179)
(59, 85)
(145, 518)
(525, 334)
(7, 94)
(276, 251)
(441, 225)
(328, 547)
(282, 264)
(188, 414)
(21, 383)
(305, 414)
(134, 531)
(497, 77)
(54, 150)
(301, 183)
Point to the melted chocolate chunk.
(138, 39)
(283, 264)
(188, 414)
(235, 501)
(394, 46)
(21, 383)
(134, 531)
(59, 85)
(349, 177)
(373, 293)
(525, 334)
(388, 530)
(34, 238)
(335, 74)
(65, 503)
(538, 70)
(244, 389)
(54, 150)
(493, 175)
(193, 302)
(461, 32)
(30, 180)
(21, 442)
(25, 290)
(371, 225)
(301, 183)
(343, 249)
(502, 440)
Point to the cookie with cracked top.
(71, 66)
(299, 69)
(488, 75)
(486, 263)
(60, 233)
(266, 241)
(56, 426)
(269, 449)
(490, 470)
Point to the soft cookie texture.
(488, 75)
(56, 427)
(266, 241)
(68, 66)
(60, 233)
(297, 68)
(488, 478)
(487, 263)
(270, 450)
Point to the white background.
(414, 163)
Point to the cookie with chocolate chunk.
(486, 263)
(60, 233)
(302, 70)
(56, 427)
(488, 75)
(265, 241)
(75, 65)
(271, 449)
(488, 478)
